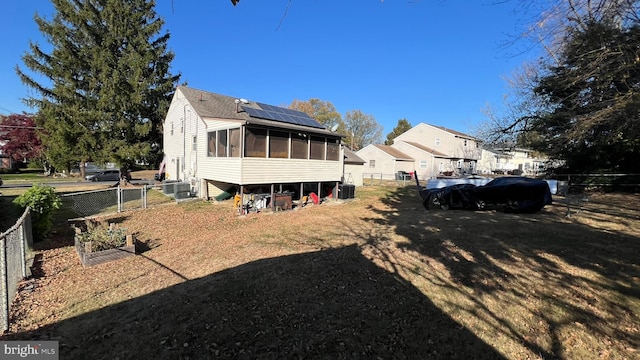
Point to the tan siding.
(353, 174)
(264, 171)
(418, 155)
(220, 169)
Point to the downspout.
(184, 137)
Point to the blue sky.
(433, 61)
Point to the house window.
(372, 163)
(255, 142)
(171, 128)
(222, 143)
(316, 149)
(194, 143)
(234, 142)
(182, 126)
(299, 146)
(278, 144)
(423, 164)
(333, 149)
(465, 142)
(437, 141)
(211, 144)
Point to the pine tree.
(109, 81)
(403, 125)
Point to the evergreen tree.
(109, 82)
(403, 125)
(595, 114)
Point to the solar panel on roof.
(277, 113)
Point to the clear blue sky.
(433, 61)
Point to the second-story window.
(372, 163)
(437, 141)
(465, 142)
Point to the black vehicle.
(108, 175)
(513, 193)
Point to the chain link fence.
(104, 201)
(15, 251)
(399, 179)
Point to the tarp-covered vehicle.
(513, 193)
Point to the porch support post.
(273, 198)
(301, 191)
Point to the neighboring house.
(221, 144)
(353, 167)
(384, 162)
(430, 150)
(506, 159)
(427, 161)
(5, 161)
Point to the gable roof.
(442, 128)
(210, 105)
(454, 132)
(425, 148)
(393, 152)
(350, 157)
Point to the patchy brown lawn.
(375, 277)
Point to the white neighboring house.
(508, 159)
(384, 162)
(219, 144)
(353, 166)
(427, 161)
(430, 150)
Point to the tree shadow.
(517, 257)
(328, 304)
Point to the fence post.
(119, 199)
(5, 284)
(23, 251)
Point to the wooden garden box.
(90, 258)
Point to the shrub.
(102, 236)
(43, 201)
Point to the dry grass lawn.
(376, 277)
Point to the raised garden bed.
(94, 252)
(90, 258)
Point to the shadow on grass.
(561, 273)
(343, 307)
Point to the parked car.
(107, 175)
(514, 194)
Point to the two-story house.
(432, 150)
(219, 144)
(504, 159)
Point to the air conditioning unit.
(182, 190)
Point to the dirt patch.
(377, 276)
